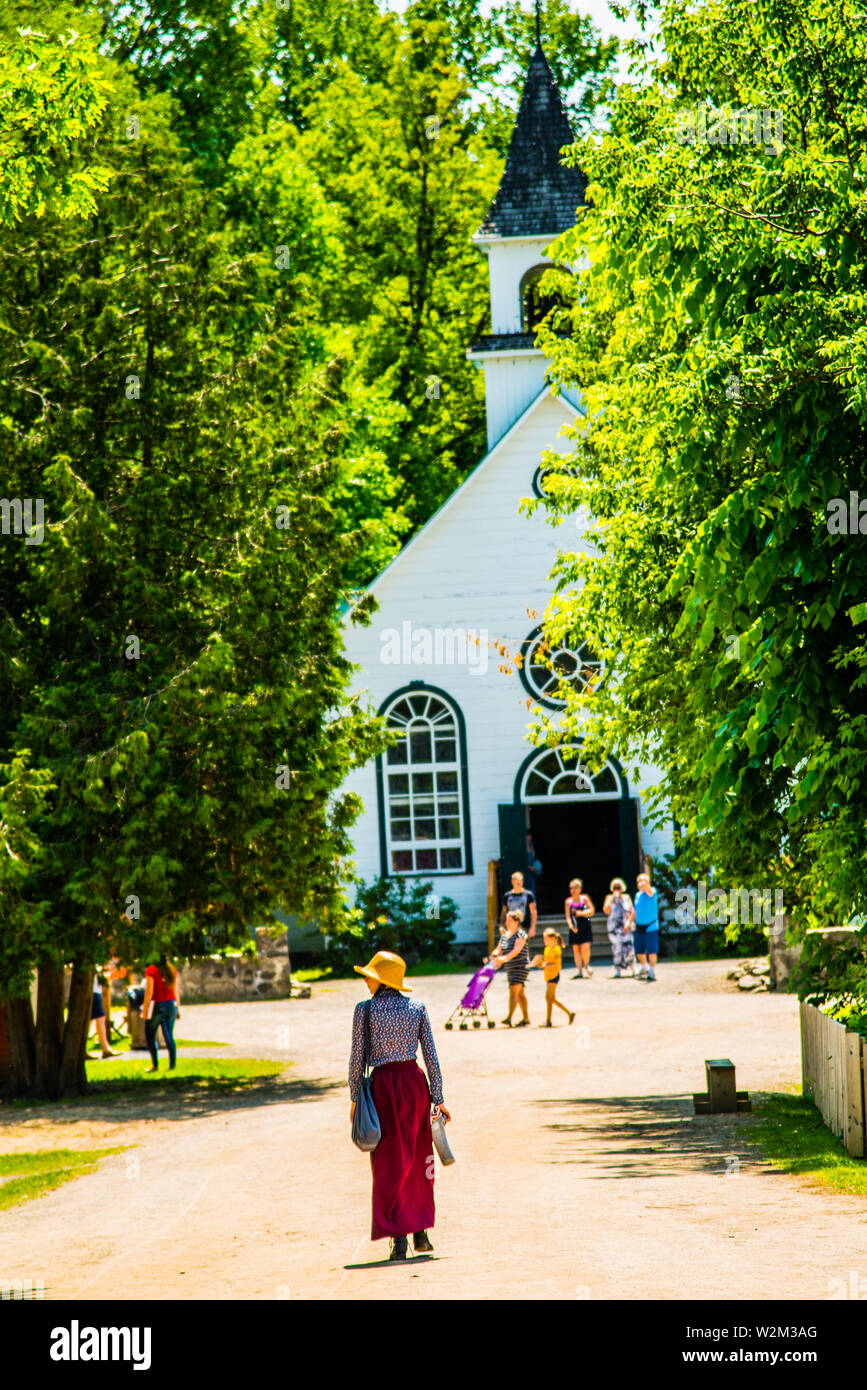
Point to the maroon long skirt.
(402, 1162)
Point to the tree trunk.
(73, 1075)
(22, 1046)
(49, 1032)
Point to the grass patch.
(122, 1045)
(792, 1136)
(46, 1170)
(422, 967)
(45, 1160)
(445, 967)
(198, 1073)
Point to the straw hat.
(388, 969)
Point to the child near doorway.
(550, 962)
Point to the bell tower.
(536, 201)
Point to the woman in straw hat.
(402, 1162)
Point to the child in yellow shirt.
(550, 962)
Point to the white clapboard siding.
(476, 565)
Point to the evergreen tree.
(174, 725)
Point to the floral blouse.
(397, 1026)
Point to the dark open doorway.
(576, 839)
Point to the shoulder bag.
(366, 1132)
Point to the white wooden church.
(464, 786)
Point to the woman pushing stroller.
(513, 953)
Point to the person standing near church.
(522, 900)
(618, 909)
(534, 867)
(578, 909)
(645, 914)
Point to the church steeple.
(538, 195)
(537, 200)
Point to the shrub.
(833, 973)
(394, 914)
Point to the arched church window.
(423, 788)
(546, 667)
(559, 772)
(541, 474)
(534, 303)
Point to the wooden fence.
(834, 1066)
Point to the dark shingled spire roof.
(537, 195)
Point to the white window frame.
(571, 770)
(438, 717)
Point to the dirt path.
(580, 1163)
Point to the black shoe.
(398, 1248)
(421, 1243)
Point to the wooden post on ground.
(721, 1086)
(854, 1132)
(493, 902)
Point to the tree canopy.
(718, 339)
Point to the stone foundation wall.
(213, 980)
(235, 978)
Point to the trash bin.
(134, 1021)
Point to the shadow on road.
(180, 1103)
(394, 1264)
(633, 1136)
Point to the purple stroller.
(473, 1005)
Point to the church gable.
(469, 546)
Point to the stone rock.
(270, 943)
(735, 974)
(749, 982)
(762, 967)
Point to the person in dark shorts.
(97, 1016)
(578, 909)
(521, 899)
(512, 952)
(645, 915)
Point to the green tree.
(402, 122)
(720, 347)
(175, 727)
(53, 90)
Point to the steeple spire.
(538, 23)
(537, 195)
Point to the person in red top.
(160, 1008)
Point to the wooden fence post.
(854, 1134)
